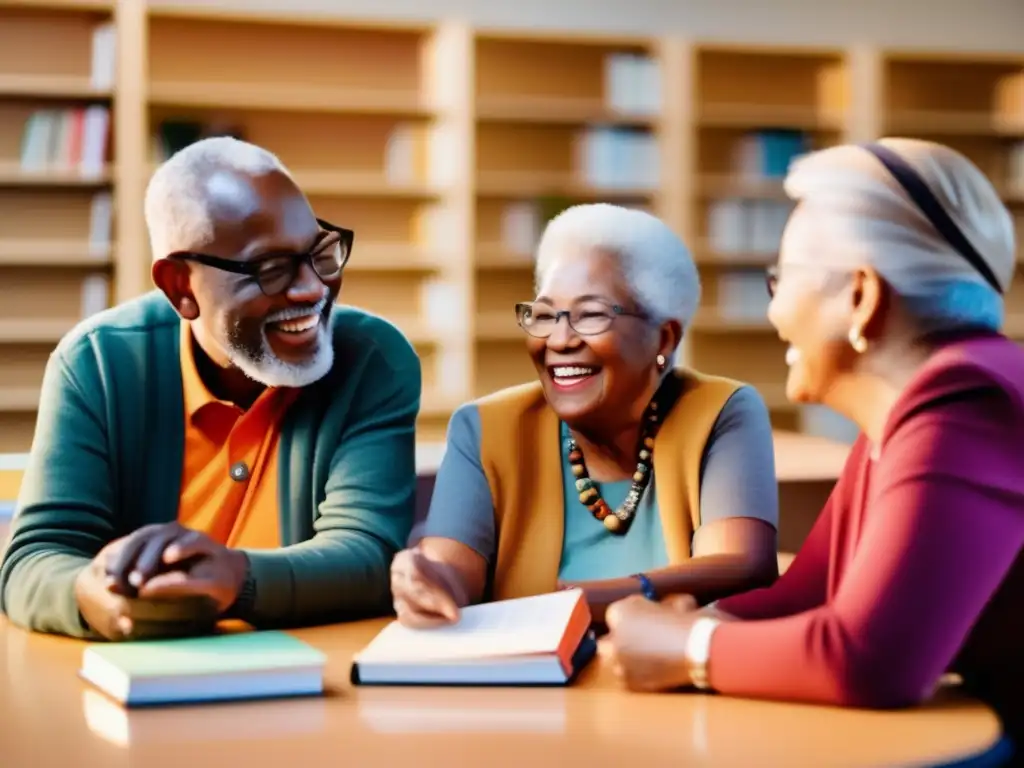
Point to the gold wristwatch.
(698, 649)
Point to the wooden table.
(50, 717)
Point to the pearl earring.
(660, 360)
(857, 341)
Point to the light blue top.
(737, 480)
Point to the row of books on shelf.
(612, 158)
(74, 139)
(617, 158)
(768, 154)
(739, 227)
(104, 56)
(741, 296)
(632, 84)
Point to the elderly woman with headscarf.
(889, 290)
(615, 471)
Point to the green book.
(246, 665)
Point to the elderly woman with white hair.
(889, 289)
(615, 471)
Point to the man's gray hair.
(861, 216)
(176, 205)
(655, 262)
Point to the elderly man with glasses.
(232, 445)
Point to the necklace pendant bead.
(612, 523)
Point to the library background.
(447, 146)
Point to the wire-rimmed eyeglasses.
(587, 318)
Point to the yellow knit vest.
(520, 451)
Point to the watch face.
(698, 644)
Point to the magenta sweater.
(913, 567)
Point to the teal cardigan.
(107, 459)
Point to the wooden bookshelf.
(545, 109)
(347, 110)
(754, 110)
(447, 148)
(56, 205)
(975, 105)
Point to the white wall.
(976, 25)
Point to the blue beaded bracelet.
(646, 587)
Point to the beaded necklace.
(618, 521)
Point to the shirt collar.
(197, 395)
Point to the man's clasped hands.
(161, 580)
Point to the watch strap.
(246, 599)
(698, 650)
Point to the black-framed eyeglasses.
(587, 318)
(274, 273)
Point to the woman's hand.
(646, 641)
(422, 591)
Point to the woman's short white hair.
(177, 206)
(862, 216)
(655, 263)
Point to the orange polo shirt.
(229, 475)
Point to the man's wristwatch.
(698, 649)
(245, 599)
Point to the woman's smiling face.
(593, 377)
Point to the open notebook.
(246, 665)
(542, 640)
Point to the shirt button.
(239, 472)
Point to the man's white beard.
(268, 369)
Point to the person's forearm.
(327, 578)
(706, 578)
(39, 592)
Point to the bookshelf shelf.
(44, 87)
(291, 97)
(520, 184)
(447, 148)
(95, 6)
(19, 399)
(12, 175)
(556, 111)
(33, 331)
(52, 253)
